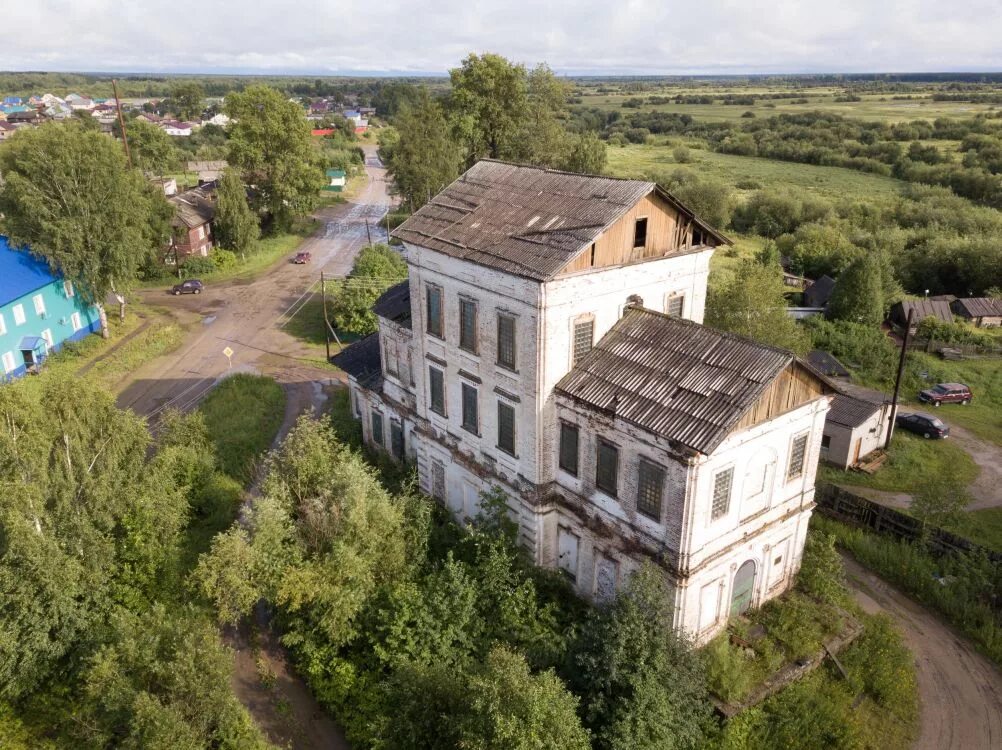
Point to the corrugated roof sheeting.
(850, 412)
(395, 304)
(363, 362)
(979, 307)
(678, 379)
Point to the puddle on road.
(208, 319)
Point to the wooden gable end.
(792, 388)
(668, 231)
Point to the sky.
(329, 37)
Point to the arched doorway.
(744, 585)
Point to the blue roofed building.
(39, 312)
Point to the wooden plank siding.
(792, 388)
(667, 232)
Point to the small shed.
(984, 312)
(923, 308)
(818, 293)
(856, 425)
(336, 180)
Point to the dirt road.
(959, 689)
(248, 317)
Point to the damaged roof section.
(680, 380)
(395, 304)
(362, 361)
(526, 221)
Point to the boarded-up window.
(471, 413)
(438, 480)
(506, 427)
(433, 299)
(584, 334)
(377, 427)
(567, 552)
(436, 383)
(798, 453)
(640, 233)
(607, 468)
(722, 493)
(391, 357)
(397, 439)
(569, 448)
(650, 488)
(506, 341)
(468, 325)
(675, 306)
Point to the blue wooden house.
(39, 312)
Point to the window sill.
(469, 431)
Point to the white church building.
(548, 341)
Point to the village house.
(207, 171)
(983, 312)
(858, 423)
(177, 128)
(7, 130)
(194, 211)
(39, 312)
(548, 342)
(920, 309)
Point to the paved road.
(248, 316)
(959, 689)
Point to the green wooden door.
(744, 583)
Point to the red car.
(302, 258)
(946, 393)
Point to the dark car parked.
(946, 393)
(925, 425)
(191, 286)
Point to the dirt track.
(960, 690)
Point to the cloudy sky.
(573, 36)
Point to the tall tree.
(489, 105)
(69, 196)
(151, 148)
(270, 145)
(187, 99)
(751, 303)
(235, 224)
(858, 295)
(543, 140)
(586, 154)
(424, 159)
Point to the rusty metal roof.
(676, 378)
(527, 221)
(395, 304)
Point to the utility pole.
(897, 381)
(327, 335)
(121, 122)
(367, 233)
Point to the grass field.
(243, 414)
(830, 182)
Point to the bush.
(224, 260)
(793, 623)
(196, 265)
(729, 673)
(682, 155)
(821, 573)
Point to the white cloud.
(634, 36)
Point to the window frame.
(502, 405)
(397, 429)
(473, 347)
(566, 427)
(467, 402)
(38, 301)
(640, 221)
(76, 322)
(68, 289)
(802, 469)
(18, 312)
(613, 489)
(438, 329)
(499, 361)
(8, 362)
(377, 435)
(3, 325)
(716, 512)
(431, 390)
(652, 512)
(575, 355)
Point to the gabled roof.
(362, 361)
(850, 412)
(673, 377)
(20, 273)
(978, 307)
(395, 304)
(527, 221)
(821, 290)
(826, 364)
(925, 308)
(193, 208)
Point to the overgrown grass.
(982, 527)
(914, 464)
(243, 414)
(160, 338)
(960, 587)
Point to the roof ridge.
(551, 170)
(725, 334)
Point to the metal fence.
(842, 505)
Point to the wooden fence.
(842, 505)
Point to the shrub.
(729, 672)
(792, 622)
(821, 573)
(682, 155)
(224, 260)
(196, 265)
